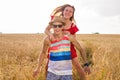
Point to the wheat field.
(19, 54)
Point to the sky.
(33, 16)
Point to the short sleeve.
(52, 17)
(74, 29)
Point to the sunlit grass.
(19, 53)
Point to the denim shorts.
(52, 76)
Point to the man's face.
(57, 27)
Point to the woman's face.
(68, 12)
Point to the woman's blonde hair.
(59, 11)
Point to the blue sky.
(32, 16)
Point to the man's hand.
(87, 70)
(35, 73)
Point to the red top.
(73, 29)
(52, 17)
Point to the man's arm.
(43, 52)
(42, 56)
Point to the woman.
(67, 11)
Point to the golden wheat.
(19, 53)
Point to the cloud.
(28, 16)
(89, 21)
(103, 7)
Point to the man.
(60, 61)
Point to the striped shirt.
(60, 57)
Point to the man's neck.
(58, 36)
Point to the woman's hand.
(52, 38)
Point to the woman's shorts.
(52, 76)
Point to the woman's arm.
(78, 46)
(82, 52)
(47, 31)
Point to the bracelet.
(86, 64)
